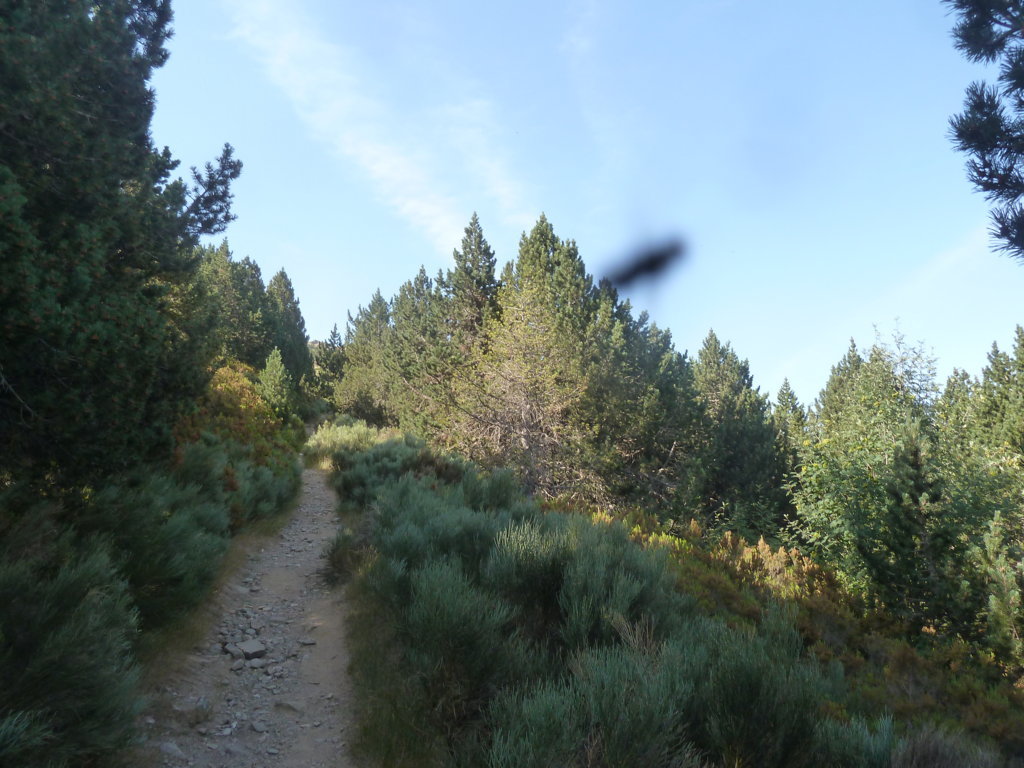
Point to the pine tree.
(276, 386)
(328, 363)
(858, 419)
(835, 397)
(990, 129)
(790, 420)
(365, 389)
(1004, 570)
(250, 331)
(740, 488)
(288, 329)
(530, 379)
(892, 492)
(246, 327)
(909, 549)
(420, 356)
(639, 409)
(94, 241)
(471, 288)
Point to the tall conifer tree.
(740, 485)
(288, 327)
(531, 374)
(365, 389)
(471, 288)
(93, 239)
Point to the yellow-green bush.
(341, 436)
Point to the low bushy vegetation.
(527, 637)
(84, 572)
(67, 625)
(343, 436)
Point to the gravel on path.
(268, 685)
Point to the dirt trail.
(267, 686)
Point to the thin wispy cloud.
(331, 88)
(472, 127)
(322, 83)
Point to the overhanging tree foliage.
(94, 240)
(990, 130)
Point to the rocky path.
(267, 685)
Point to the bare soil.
(289, 705)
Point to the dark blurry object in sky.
(647, 262)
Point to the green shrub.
(23, 739)
(458, 634)
(609, 578)
(755, 702)
(170, 529)
(526, 565)
(67, 676)
(260, 491)
(416, 524)
(232, 409)
(229, 473)
(358, 476)
(542, 729)
(168, 540)
(855, 744)
(490, 491)
(633, 704)
(544, 639)
(622, 707)
(343, 436)
(205, 464)
(340, 554)
(933, 747)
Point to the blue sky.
(799, 148)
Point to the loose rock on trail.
(268, 685)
